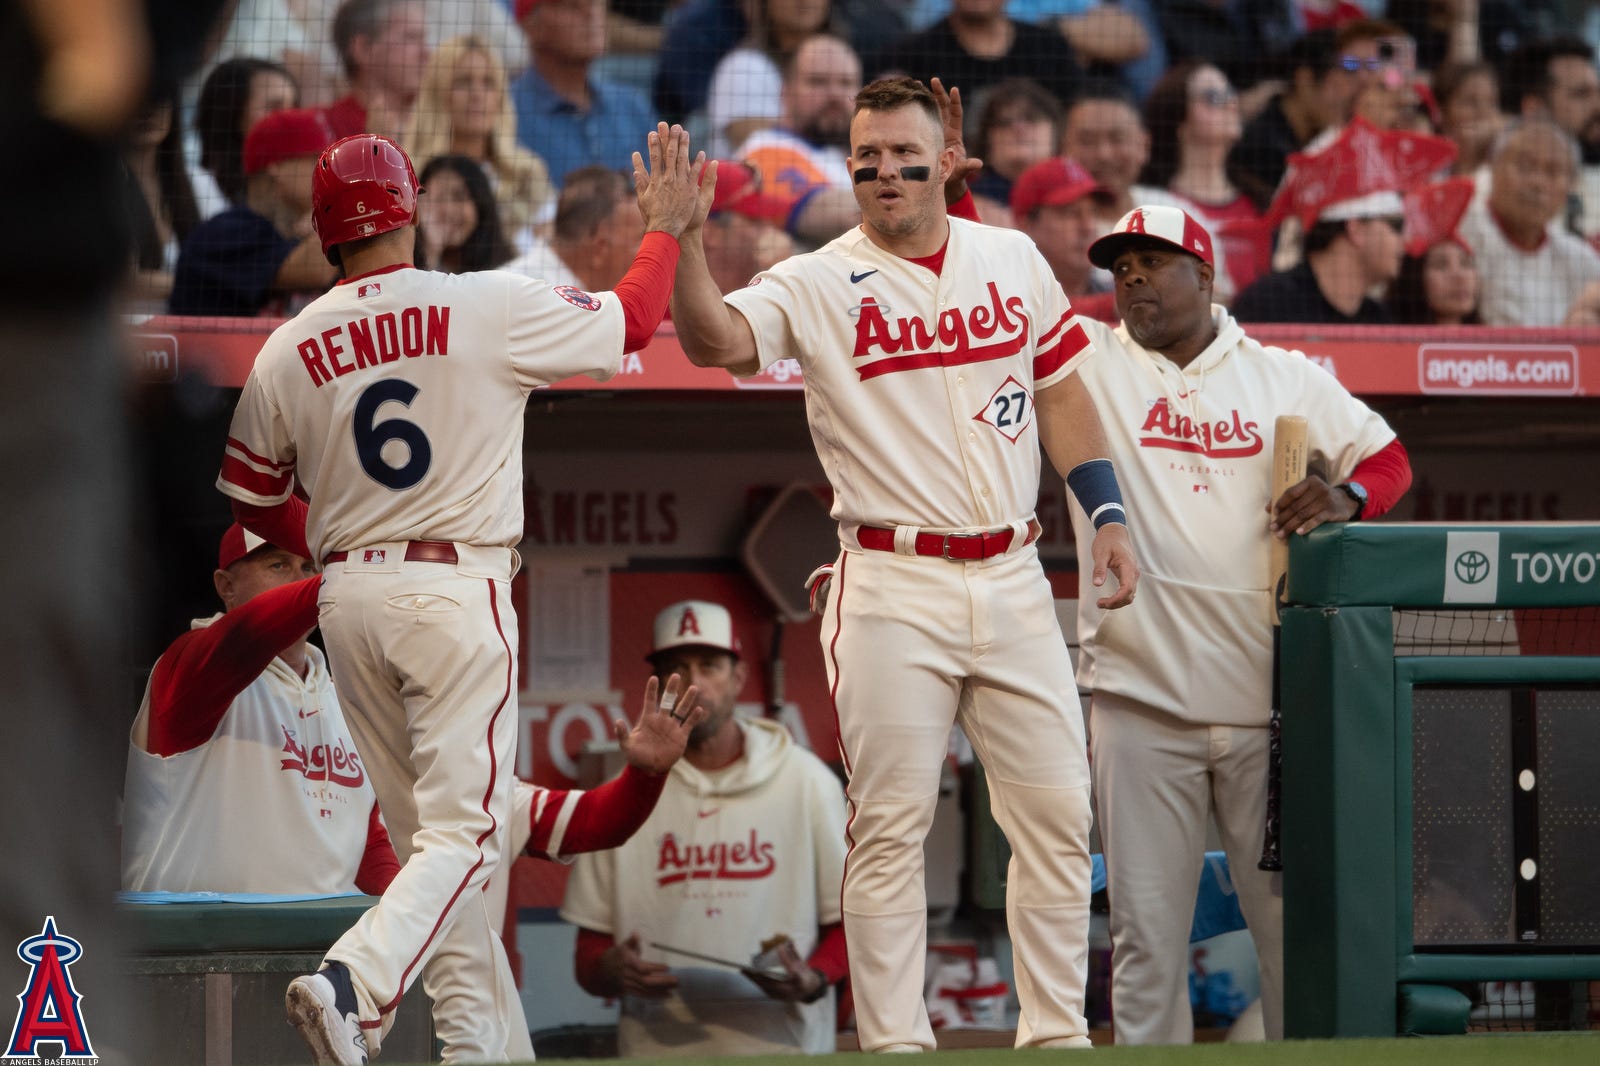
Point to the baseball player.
(938, 354)
(1181, 684)
(242, 776)
(397, 401)
(747, 844)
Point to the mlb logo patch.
(372, 288)
(577, 297)
(374, 555)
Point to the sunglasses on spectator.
(1215, 97)
(1390, 53)
(1394, 222)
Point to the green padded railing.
(1347, 749)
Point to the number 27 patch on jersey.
(577, 297)
(1009, 411)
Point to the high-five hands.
(664, 727)
(966, 168)
(672, 197)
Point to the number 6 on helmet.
(363, 186)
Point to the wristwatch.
(1357, 492)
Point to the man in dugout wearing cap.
(1182, 682)
(742, 857)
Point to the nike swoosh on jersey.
(307, 714)
(863, 276)
(708, 814)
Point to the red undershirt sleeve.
(1386, 475)
(282, 524)
(966, 208)
(379, 863)
(645, 289)
(830, 955)
(605, 817)
(199, 677)
(586, 965)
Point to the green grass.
(1519, 1049)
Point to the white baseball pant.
(914, 644)
(1156, 779)
(424, 655)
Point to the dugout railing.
(1441, 803)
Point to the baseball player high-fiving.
(937, 354)
(397, 401)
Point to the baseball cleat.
(322, 1008)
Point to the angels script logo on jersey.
(742, 860)
(320, 762)
(48, 1009)
(1226, 438)
(1001, 324)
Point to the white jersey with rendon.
(277, 800)
(726, 860)
(920, 386)
(397, 399)
(1193, 450)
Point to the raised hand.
(664, 727)
(672, 197)
(952, 113)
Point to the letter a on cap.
(1136, 222)
(688, 624)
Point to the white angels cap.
(694, 624)
(1385, 203)
(1167, 225)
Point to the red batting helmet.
(363, 186)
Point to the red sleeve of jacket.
(1386, 475)
(586, 965)
(966, 208)
(201, 674)
(830, 955)
(379, 863)
(603, 817)
(282, 524)
(645, 289)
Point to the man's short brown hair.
(590, 196)
(891, 94)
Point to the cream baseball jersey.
(1193, 451)
(397, 399)
(920, 386)
(726, 860)
(278, 800)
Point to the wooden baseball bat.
(1288, 469)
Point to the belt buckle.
(949, 537)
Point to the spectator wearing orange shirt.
(804, 157)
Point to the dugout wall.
(1441, 743)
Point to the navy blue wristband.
(1094, 485)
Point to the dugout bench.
(209, 978)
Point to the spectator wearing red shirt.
(383, 46)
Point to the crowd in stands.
(516, 112)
